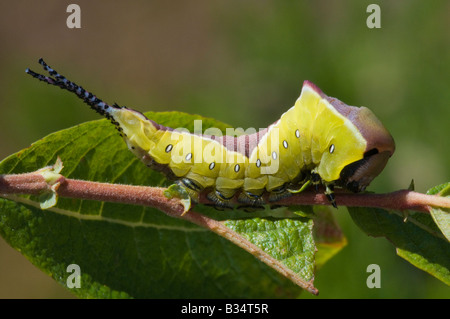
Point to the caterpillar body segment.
(320, 140)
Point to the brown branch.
(35, 184)
(398, 200)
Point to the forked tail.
(59, 80)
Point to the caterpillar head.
(357, 176)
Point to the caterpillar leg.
(251, 199)
(191, 187)
(279, 193)
(316, 180)
(329, 192)
(220, 200)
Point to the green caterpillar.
(320, 140)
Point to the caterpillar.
(319, 141)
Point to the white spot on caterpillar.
(188, 156)
(331, 148)
(285, 144)
(297, 133)
(169, 148)
(274, 155)
(237, 168)
(212, 165)
(258, 163)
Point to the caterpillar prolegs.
(320, 140)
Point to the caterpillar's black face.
(358, 175)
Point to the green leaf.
(441, 215)
(287, 240)
(134, 251)
(418, 239)
(302, 244)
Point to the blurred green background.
(241, 62)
